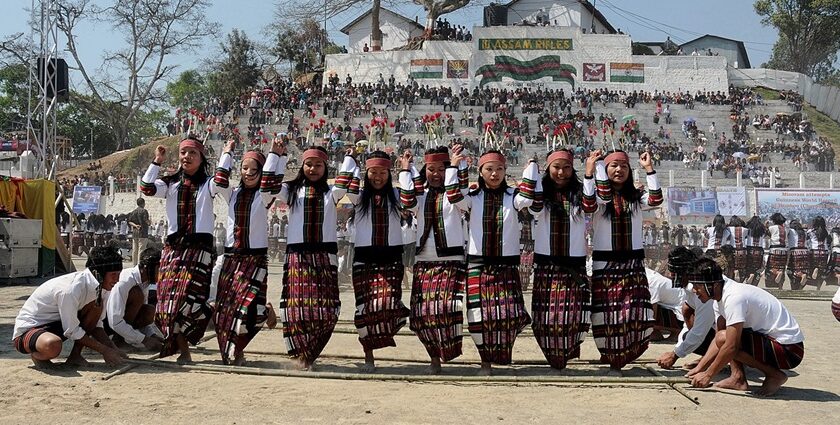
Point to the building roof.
(740, 44)
(598, 15)
(346, 29)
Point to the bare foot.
(184, 358)
(656, 336)
(434, 366)
(42, 364)
(672, 337)
(239, 359)
(771, 384)
(615, 372)
(486, 369)
(370, 363)
(77, 361)
(733, 383)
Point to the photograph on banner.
(732, 201)
(691, 202)
(801, 204)
(86, 199)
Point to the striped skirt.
(770, 352)
(437, 300)
(834, 262)
(380, 312)
(740, 259)
(622, 316)
(495, 310)
(240, 302)
(755, 259)
(309, 304)
(182, 290)
(777, 259)
(799, 260)
(561, 309)
(819, 261)
(666, 319)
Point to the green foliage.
(300, 45)
(188, 91)
(14, 92)
(237, 70)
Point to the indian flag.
(627, 72)
(426, 68)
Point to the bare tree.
(154, 30)
(327, 9)
(437, 8)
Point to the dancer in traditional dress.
(799, 258)
(755, 250)
(834, 261)
(561, 293)
(740, 236)
(241, 308)
(495, 306)
(819, 248)
(440, 274)
(377, 269)
(780, 237)
(622, 318)
(717, 236)
(187, 258)
(309, 303)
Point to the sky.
(644, 20)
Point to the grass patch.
(825, 126)
(766, 93)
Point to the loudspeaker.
(495, 15)
(57, 79)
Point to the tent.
(36, 200)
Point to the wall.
(663, 73)
(559, 14)
(727, 49)
(395, 32)
(825, 99)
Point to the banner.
(86, 199)
(457, 69)
(689, 201)
(515, 69)
(426, 68)
(594, 72)
(525, 44)
(627, 72)
(732, 201)
(801, 204)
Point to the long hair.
(321, 186)
(756, 227)
(778, 218)
(201, 175)
(818, 224)
(628, 192)
(719, 223)
(369, 193)
(573, 190)
(797, 227)
(483, 185)
(439, 149)
(736, 221)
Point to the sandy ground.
(156, 395)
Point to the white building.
(396, 29)
(580, 13)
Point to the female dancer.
(377, 269)
(241, 307)
(717, 236)
(780, 237)
(834, 262)
(819, 247)
(187, 259)
(560, 303)
(437, 290)
(755, 250)
(495, 306)
(799, 259)
(622, 317)
(310, 304)
(740, 236)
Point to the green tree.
(809, 34)
(188, 91)
(303, 46)
(237, 70)
(14, 94)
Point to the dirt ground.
(157, 395)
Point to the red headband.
(491, 156)
(564, 155)
(256, 156)
(436, 157)
(314, 153)
(616, 156)
(191, 143)
(378, 162)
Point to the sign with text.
(525, 44)
(801, 204)
(86, 199)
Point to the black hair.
(679, 260)
(818, 225)
(736, 221)
(103, 259)
(778, 218)
(628, 191)
(439, 149)
(719, 223)
(389, 199)
(482, 184)
(242, 178)
(756, 227)
(321, 186)
(200, 176)
(573, 189)
(141, 202)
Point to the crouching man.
(754, 329)
(130, 315)
(70, 307)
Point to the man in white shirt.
(698, 330)
(755, 329)
(129, 313)
(70, 307)
(667, 301)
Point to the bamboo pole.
(674, 387)
(241, 370)
(131, 365)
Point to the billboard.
(86, 199)
(802, 204)
(691, 202)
